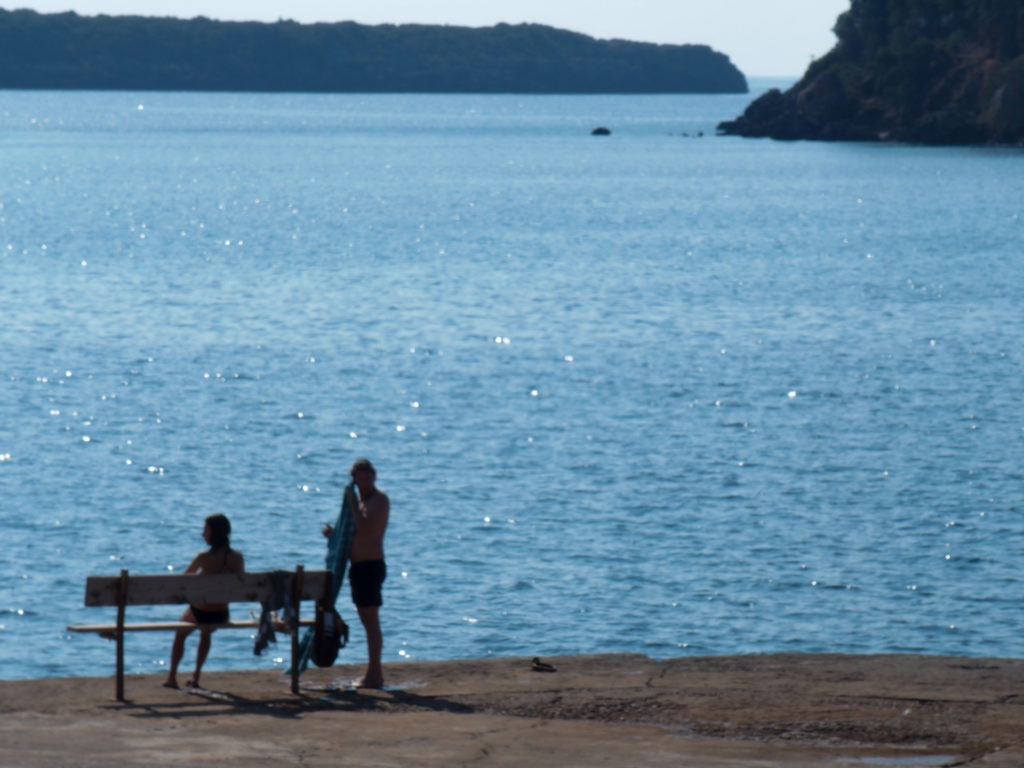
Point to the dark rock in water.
(941, 73)
(600, 131)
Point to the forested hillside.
(143, 53)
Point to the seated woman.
(219, 558)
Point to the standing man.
(367, 570)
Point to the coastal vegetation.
(928, 71)
(69, 51)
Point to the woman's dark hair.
(220, 531)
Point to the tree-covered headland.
(68, 51)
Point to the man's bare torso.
(370, 518)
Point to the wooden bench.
(168, 588)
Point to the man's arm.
(370, 518)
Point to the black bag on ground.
(330, 634)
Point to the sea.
(661, 391)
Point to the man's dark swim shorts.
(366, 579)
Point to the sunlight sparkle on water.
(878, 438)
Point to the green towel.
(338, 546)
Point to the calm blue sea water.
(654, 392)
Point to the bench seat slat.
(157, 626)
(168, 588)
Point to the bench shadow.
(202, 702)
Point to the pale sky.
(762, 37)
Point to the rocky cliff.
(924, 71)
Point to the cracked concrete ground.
(798, 711)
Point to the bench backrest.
(167, 588)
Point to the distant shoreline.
(66, 51)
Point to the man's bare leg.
(369, 615)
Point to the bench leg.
(122, 594)
(297, 600)
(295, 661)
(119, 685)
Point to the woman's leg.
(201, 653)
(178, 650)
